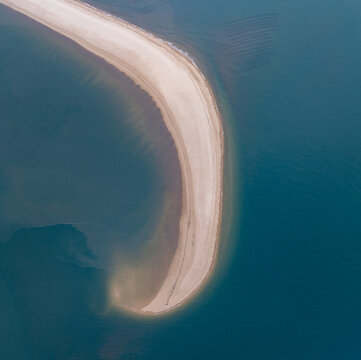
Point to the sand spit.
(190, 113)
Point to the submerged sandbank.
(191, 116)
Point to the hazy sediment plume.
(139, 262)
(190, 113)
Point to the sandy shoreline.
(189, 110)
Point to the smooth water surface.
(287, 80)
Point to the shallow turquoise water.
(290, 289)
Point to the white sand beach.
(190, 113)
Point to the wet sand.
(190, 113)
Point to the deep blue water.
(288, 284)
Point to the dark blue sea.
(89, 178)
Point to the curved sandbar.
(190, 113)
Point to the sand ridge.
(190, 113)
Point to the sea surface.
(88, 176)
